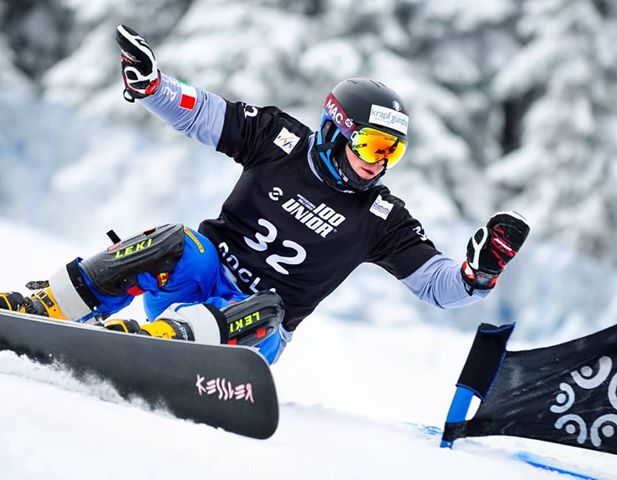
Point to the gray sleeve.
(439, 282)
(202, 119)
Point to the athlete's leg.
(197, 277)
(187, 295)
(198, 302)
(107, 282)
(252, 322)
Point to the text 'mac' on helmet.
(370, 118)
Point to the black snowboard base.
(228, 387)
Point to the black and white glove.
(139, 71)
(491, 248)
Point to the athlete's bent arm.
(192, 111)
(447, 284)
(406, 252)
(234, 128)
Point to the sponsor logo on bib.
(286, 140)
(381, 208)
(321, 218)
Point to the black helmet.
(368, 116)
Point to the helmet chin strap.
(353, 180)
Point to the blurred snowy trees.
(513, 102)
(562, 170)
(514, 105)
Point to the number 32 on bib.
(261, 242)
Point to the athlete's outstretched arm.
(190, 110)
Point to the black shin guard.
(250, 321)
(247, 322)
(156, 251)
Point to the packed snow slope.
(352, 398)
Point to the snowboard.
(228, 387)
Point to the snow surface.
(351, 398)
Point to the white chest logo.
(381, 208)
(321, 219)
(286, 140)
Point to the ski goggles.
(373, 146)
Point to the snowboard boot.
(247, 322)
(41, 303)
(161, 328)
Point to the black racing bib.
(283, 228)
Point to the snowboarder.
(308, 208)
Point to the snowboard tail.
(228, 387)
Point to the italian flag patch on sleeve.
(188, 96)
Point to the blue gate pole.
(458, 409)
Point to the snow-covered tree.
(513, 105)
(562, 172)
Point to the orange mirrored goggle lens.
(373, 145)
